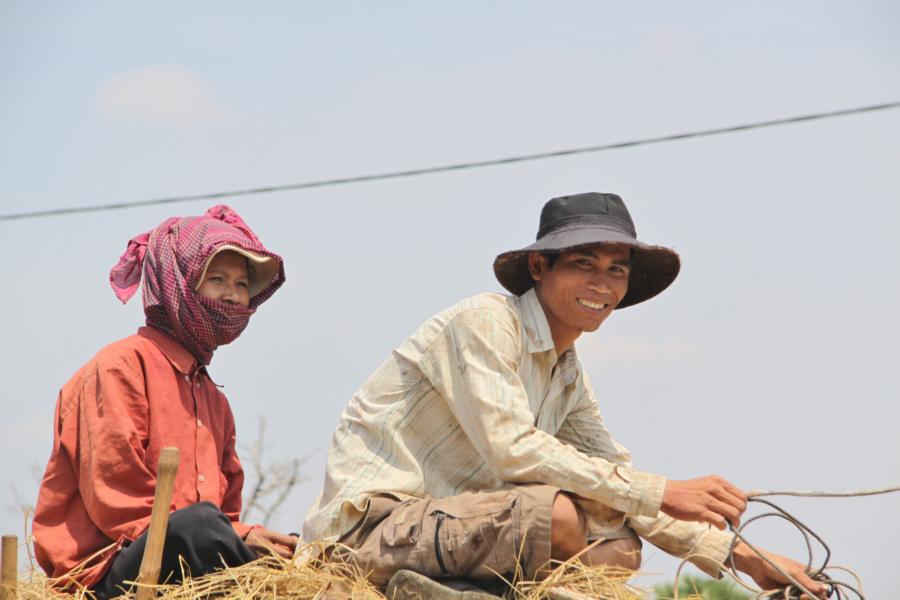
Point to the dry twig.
(274, 481)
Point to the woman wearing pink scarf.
(203, 277)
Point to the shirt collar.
(177, 354)
(540, 339)
(537, 329)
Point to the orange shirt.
(135, 397)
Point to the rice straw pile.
(275, 578)
(609, 583)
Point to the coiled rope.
(837, 589)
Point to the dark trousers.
(200, 534)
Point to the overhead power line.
(451, 167)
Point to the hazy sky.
(772, 360)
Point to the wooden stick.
(9, 568)
(159, 520)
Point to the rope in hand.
(837, 589)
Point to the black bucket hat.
(569, 222)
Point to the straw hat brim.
(653, 269)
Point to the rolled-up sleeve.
(703, 545)
(473, 364)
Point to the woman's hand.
(265, 541)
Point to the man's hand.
(707, 499)
(265, 541)
(768, 578)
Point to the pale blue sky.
(771, 360)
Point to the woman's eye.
(243, 284)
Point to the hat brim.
(653, 268)
(263, 269)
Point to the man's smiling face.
(581, 288)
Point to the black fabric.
(200, 534)
(590, 208)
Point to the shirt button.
(199, 423)
(186, 378)
(201, 478)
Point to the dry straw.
(277, 578)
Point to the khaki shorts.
(476, 535)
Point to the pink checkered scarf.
(172, 257)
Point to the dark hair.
(551, 257)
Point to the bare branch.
(274, 481)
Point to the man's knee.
(625, 553)
(568, 535)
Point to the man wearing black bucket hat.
(477, 448)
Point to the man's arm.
(710, 500)
(473, 364)
(584, 429)
(707, 548)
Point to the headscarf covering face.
(172, 258)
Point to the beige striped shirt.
(477, 400)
